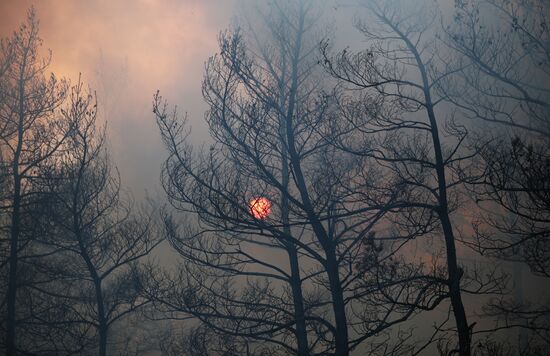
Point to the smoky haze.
(403, 179)
(126, 50)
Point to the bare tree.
(95, 240)
(32, 133)
(504, 83)
(282, 28)
(268, 117)
(504, 79)
(510, 63)
(401, 121)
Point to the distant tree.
(31, 134)
(93, 240)
(202, 340)
(504, 82)
(504, 76)
(506, 85)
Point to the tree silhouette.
(504, 83)
(95, 240)
(405, 127)
(32, 133)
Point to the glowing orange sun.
(260, 207)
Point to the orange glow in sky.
(260, 207)
(125, 50)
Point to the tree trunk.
(331, 265)
(338, 305)
(295, 279)
(103, 329)
(12, 282)
(454, 272)
(103, 326)
(285, 124)
(299, 315)
(15, 228)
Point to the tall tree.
(504, 83)
(267, 112)
(282, 28)
(32, 132)
(405, 127)
(95, 240)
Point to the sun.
(260, 207)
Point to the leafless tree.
(280, 71)
(266, 113)
(94, 240)
(510, 63)
(506, 60)
(504, 82)
(400, 119)
(31, 134)
(201, 340)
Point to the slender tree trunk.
(284, 122)
(299, 315)
(103, 327)
(454, 271)
(331, 265)
(295, 279)
(15, 228)
(338, 305)
(12, 283)
(455, 274)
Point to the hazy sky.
(126, 50)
